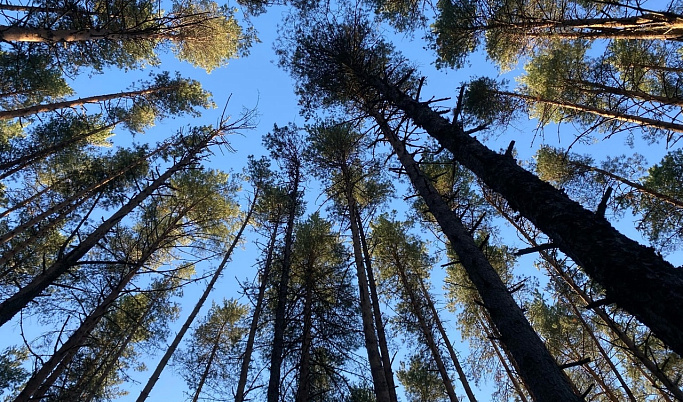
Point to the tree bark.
(540, 371)
(626, 118)
(447, 342)
(11, 114)
(44, 35)
(240, 393)
(424, 327)
(634, 277)
(638, 356)
(377, 313)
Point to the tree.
(515, 28)
(335, 65)
(126, 34)
(325, 318)
(286, 148)
(402, 259)
(212, 354)
(165, 96)
(338, 150)
(187, 155)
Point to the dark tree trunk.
(195, 310)
(634, 277)
(447, 342)
(240, 393)
(282, 290)
(540, 371)
(377, 313)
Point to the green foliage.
(450, 33)
(661, 221)
(421, 380)
(12, 372)
(484, 103)
(211, 357)
(208, 34)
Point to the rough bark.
(634, 277)
(540, 371)
(638, 356)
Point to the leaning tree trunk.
(426, 329)
(19, 300)
(447, 342)
(197, 307)
(634, 277)
(253, 327)
(43, 379)
(377, 313)
(546, 381)
(624, 117)
(637, 355)
(45, 35)
(30, 110)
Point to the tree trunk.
(16, 302)
(377, 313)
(240, 393)
(537, 367)
(207, 369)
(638, 356)
(11, 114)
(193, 314)
(447, 342)
(637, 186)
(634, 277)
(44, 35)
(371, 346)
(43, 379)
(303, 391)
(627, 118)
(13, 166)
(283, 290)
(424, 327)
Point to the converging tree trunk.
(545, 379)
